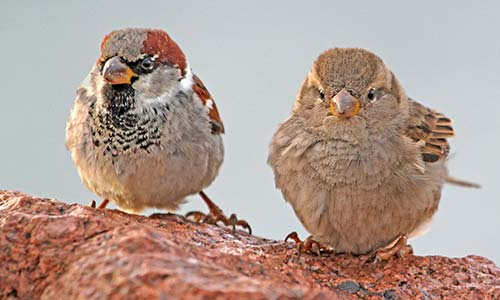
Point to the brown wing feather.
(431, 129)
(205, 97)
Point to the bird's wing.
(430, 129)
(205, 97)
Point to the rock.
(54, 250)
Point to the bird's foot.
(197, 216)
(217, 215)
(308, 245)
(103, 204)
(400, 249)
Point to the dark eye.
(371, 94)
(321, 95)
(148, 64)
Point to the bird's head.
(350, 89)
(142, 63)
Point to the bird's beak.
(116, 72)
(343, 105)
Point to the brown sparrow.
(144, 131)
(362, 164)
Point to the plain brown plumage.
(362, 164)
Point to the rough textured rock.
(53, 250)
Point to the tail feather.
(462, 183)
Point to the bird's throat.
(119, 99)
(119, 126)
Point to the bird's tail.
(462, 183)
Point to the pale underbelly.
(149, 179)
(358, 222)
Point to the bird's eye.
(321, 95)
(371, 95)
(148, 64)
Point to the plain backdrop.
(253, 56)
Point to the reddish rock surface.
(53, 250)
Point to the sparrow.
(144, 131)
(361, 163)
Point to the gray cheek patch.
(158, 83)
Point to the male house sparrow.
(361, 163)
(144, 131)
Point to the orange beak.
(116, 72)
(343, 105)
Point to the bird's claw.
(309, 245)
(217, 216)
(400, 249)
(196, 216)
(242, 223)
(103, 204)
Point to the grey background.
(253, 56)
